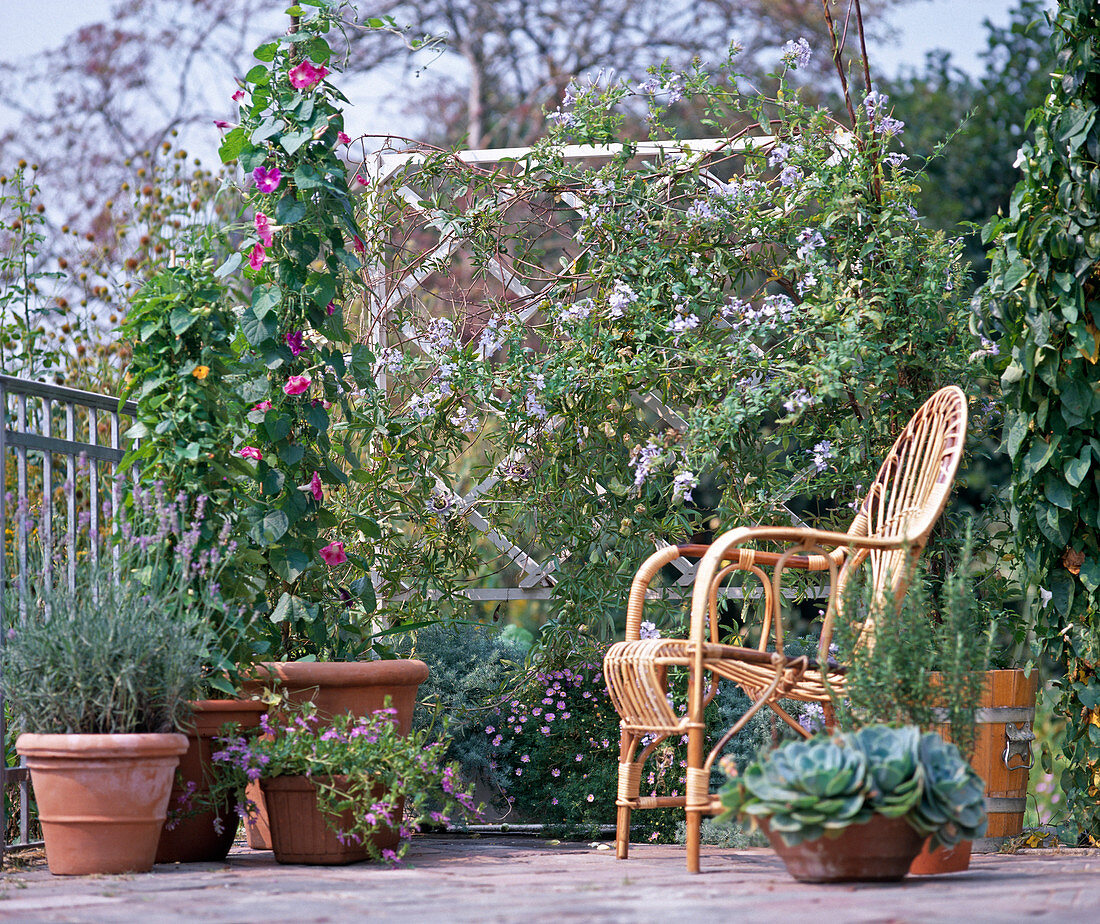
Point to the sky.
(31, 25)
(956, 25)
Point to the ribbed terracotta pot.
(879, 850)
(194, 837)
(302, 833)
(101, 799)
(358, 687)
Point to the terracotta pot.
(302, 833)
(936, 861)
(358, 687)
(194, 837)
(879, 850)
(101, 798)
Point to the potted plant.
(926, 668)
(98, 671)
(346, 789)
(858, 806)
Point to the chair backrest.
(909, 493)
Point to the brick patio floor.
(497, 878)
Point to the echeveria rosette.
(807, 789)
(894, 769)
(952, 804)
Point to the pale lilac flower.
(809, 240)
(789, 175)
(822, 452)
(647, 630)
(799, 399)
(796, 54)
(621, 298)
(683, 484)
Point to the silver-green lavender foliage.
(107, 655)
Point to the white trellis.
(385, 295)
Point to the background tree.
(1044, 296)
(973, 179)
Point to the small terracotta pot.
(358, 687)
(194, 838)
(934, 861)
(101, 799)
(879, 850)
(302, 833)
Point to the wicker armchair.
(887, 535)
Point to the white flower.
(1044, 597)
(683, 483)
(649, 630)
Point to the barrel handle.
(1018, 740)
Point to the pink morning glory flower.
(315, 488)
(263, 228)
(267, 181)
(307, 74)
(238, 96)
(333, 554)
(221, 123)
(250, 452)
(360, 247)
(296, 344)
(297, 384)
(341, 138)
(257, 257)
(330, 309)
(262, 406)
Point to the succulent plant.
(817, 787)
(805, 789)
(952, 804)
(894, 769)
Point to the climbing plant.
(1044, 296)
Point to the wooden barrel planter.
(1002, 752)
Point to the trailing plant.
(691, 341)
(361, 763)
(817, 787)
(1043, 303)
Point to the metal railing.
(49, 432)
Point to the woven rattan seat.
(887, 535)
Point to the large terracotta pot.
(195, 838)
(301, 833)
(101, 799)
(358, 687)
(879, 850)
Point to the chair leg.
(622, 832)
(694, 826)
